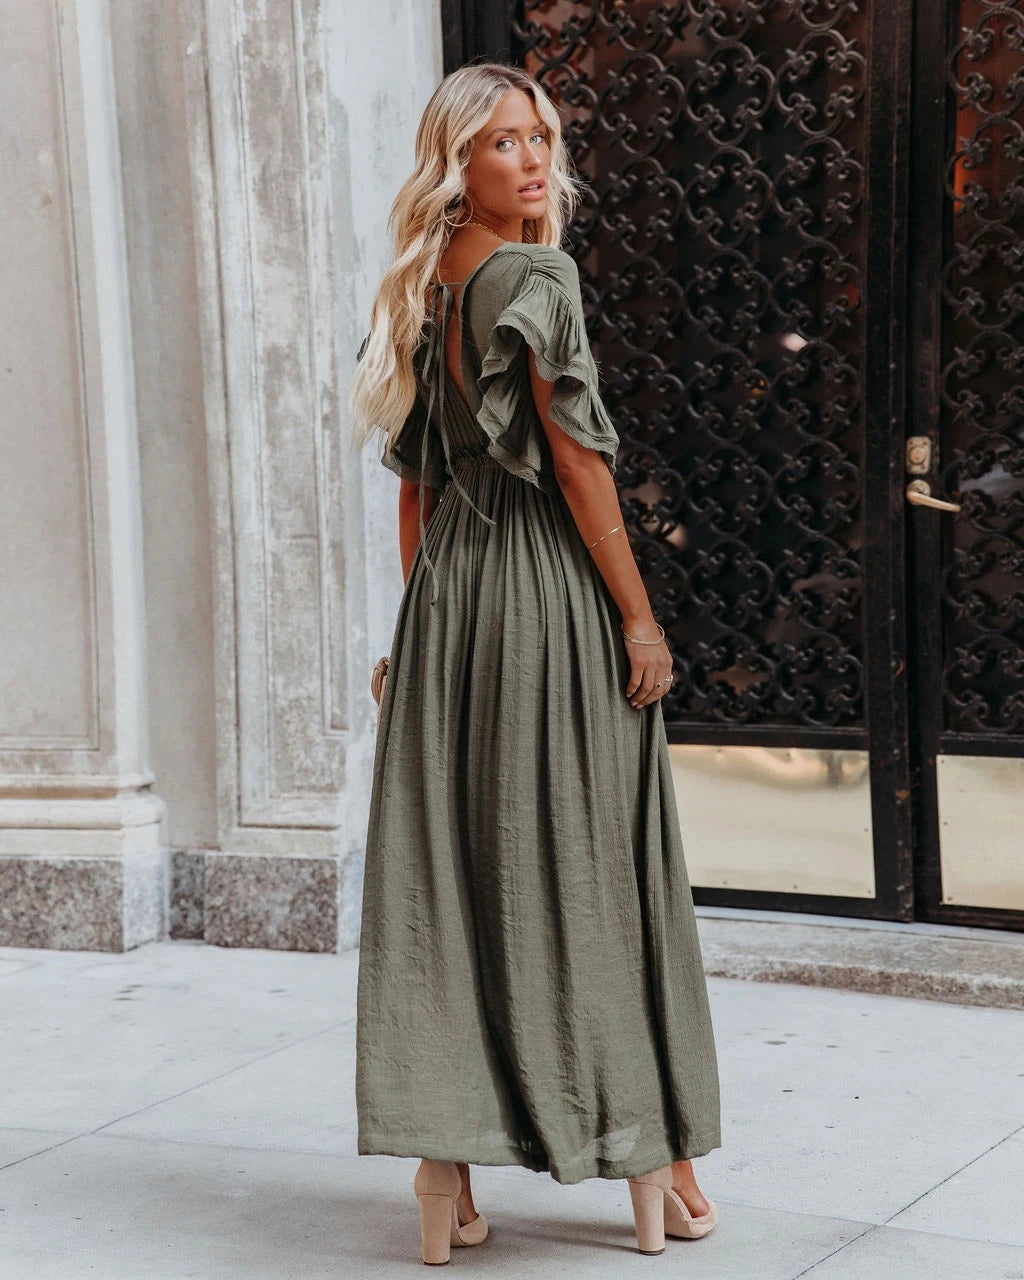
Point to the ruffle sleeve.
(545, 315)
(404, 455)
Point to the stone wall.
(199, 194)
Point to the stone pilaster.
(83, 842)
(293, 719)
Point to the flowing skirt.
(530, 989)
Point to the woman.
(530, 983)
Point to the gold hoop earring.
(450, 221)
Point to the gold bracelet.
(604, 535)
(636, 641)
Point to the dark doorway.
(803, 264)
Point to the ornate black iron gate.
(805, 247)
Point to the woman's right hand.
(650, 663)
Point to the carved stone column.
(292, 543)
(82, 835)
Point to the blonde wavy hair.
(424, 215)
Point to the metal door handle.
(919, 492)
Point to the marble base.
(273, 901)
(83, 865)
(94, 873)
(83, 904)
(186, 905)
(224, 899)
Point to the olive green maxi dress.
(530, 987)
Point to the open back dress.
(530, 986)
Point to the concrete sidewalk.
(183, 1110)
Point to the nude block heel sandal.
(437, 1186)
(658, 1210)
(648, 1213)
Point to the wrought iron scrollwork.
(982, 384)
(722, 257)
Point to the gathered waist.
(471, 454)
